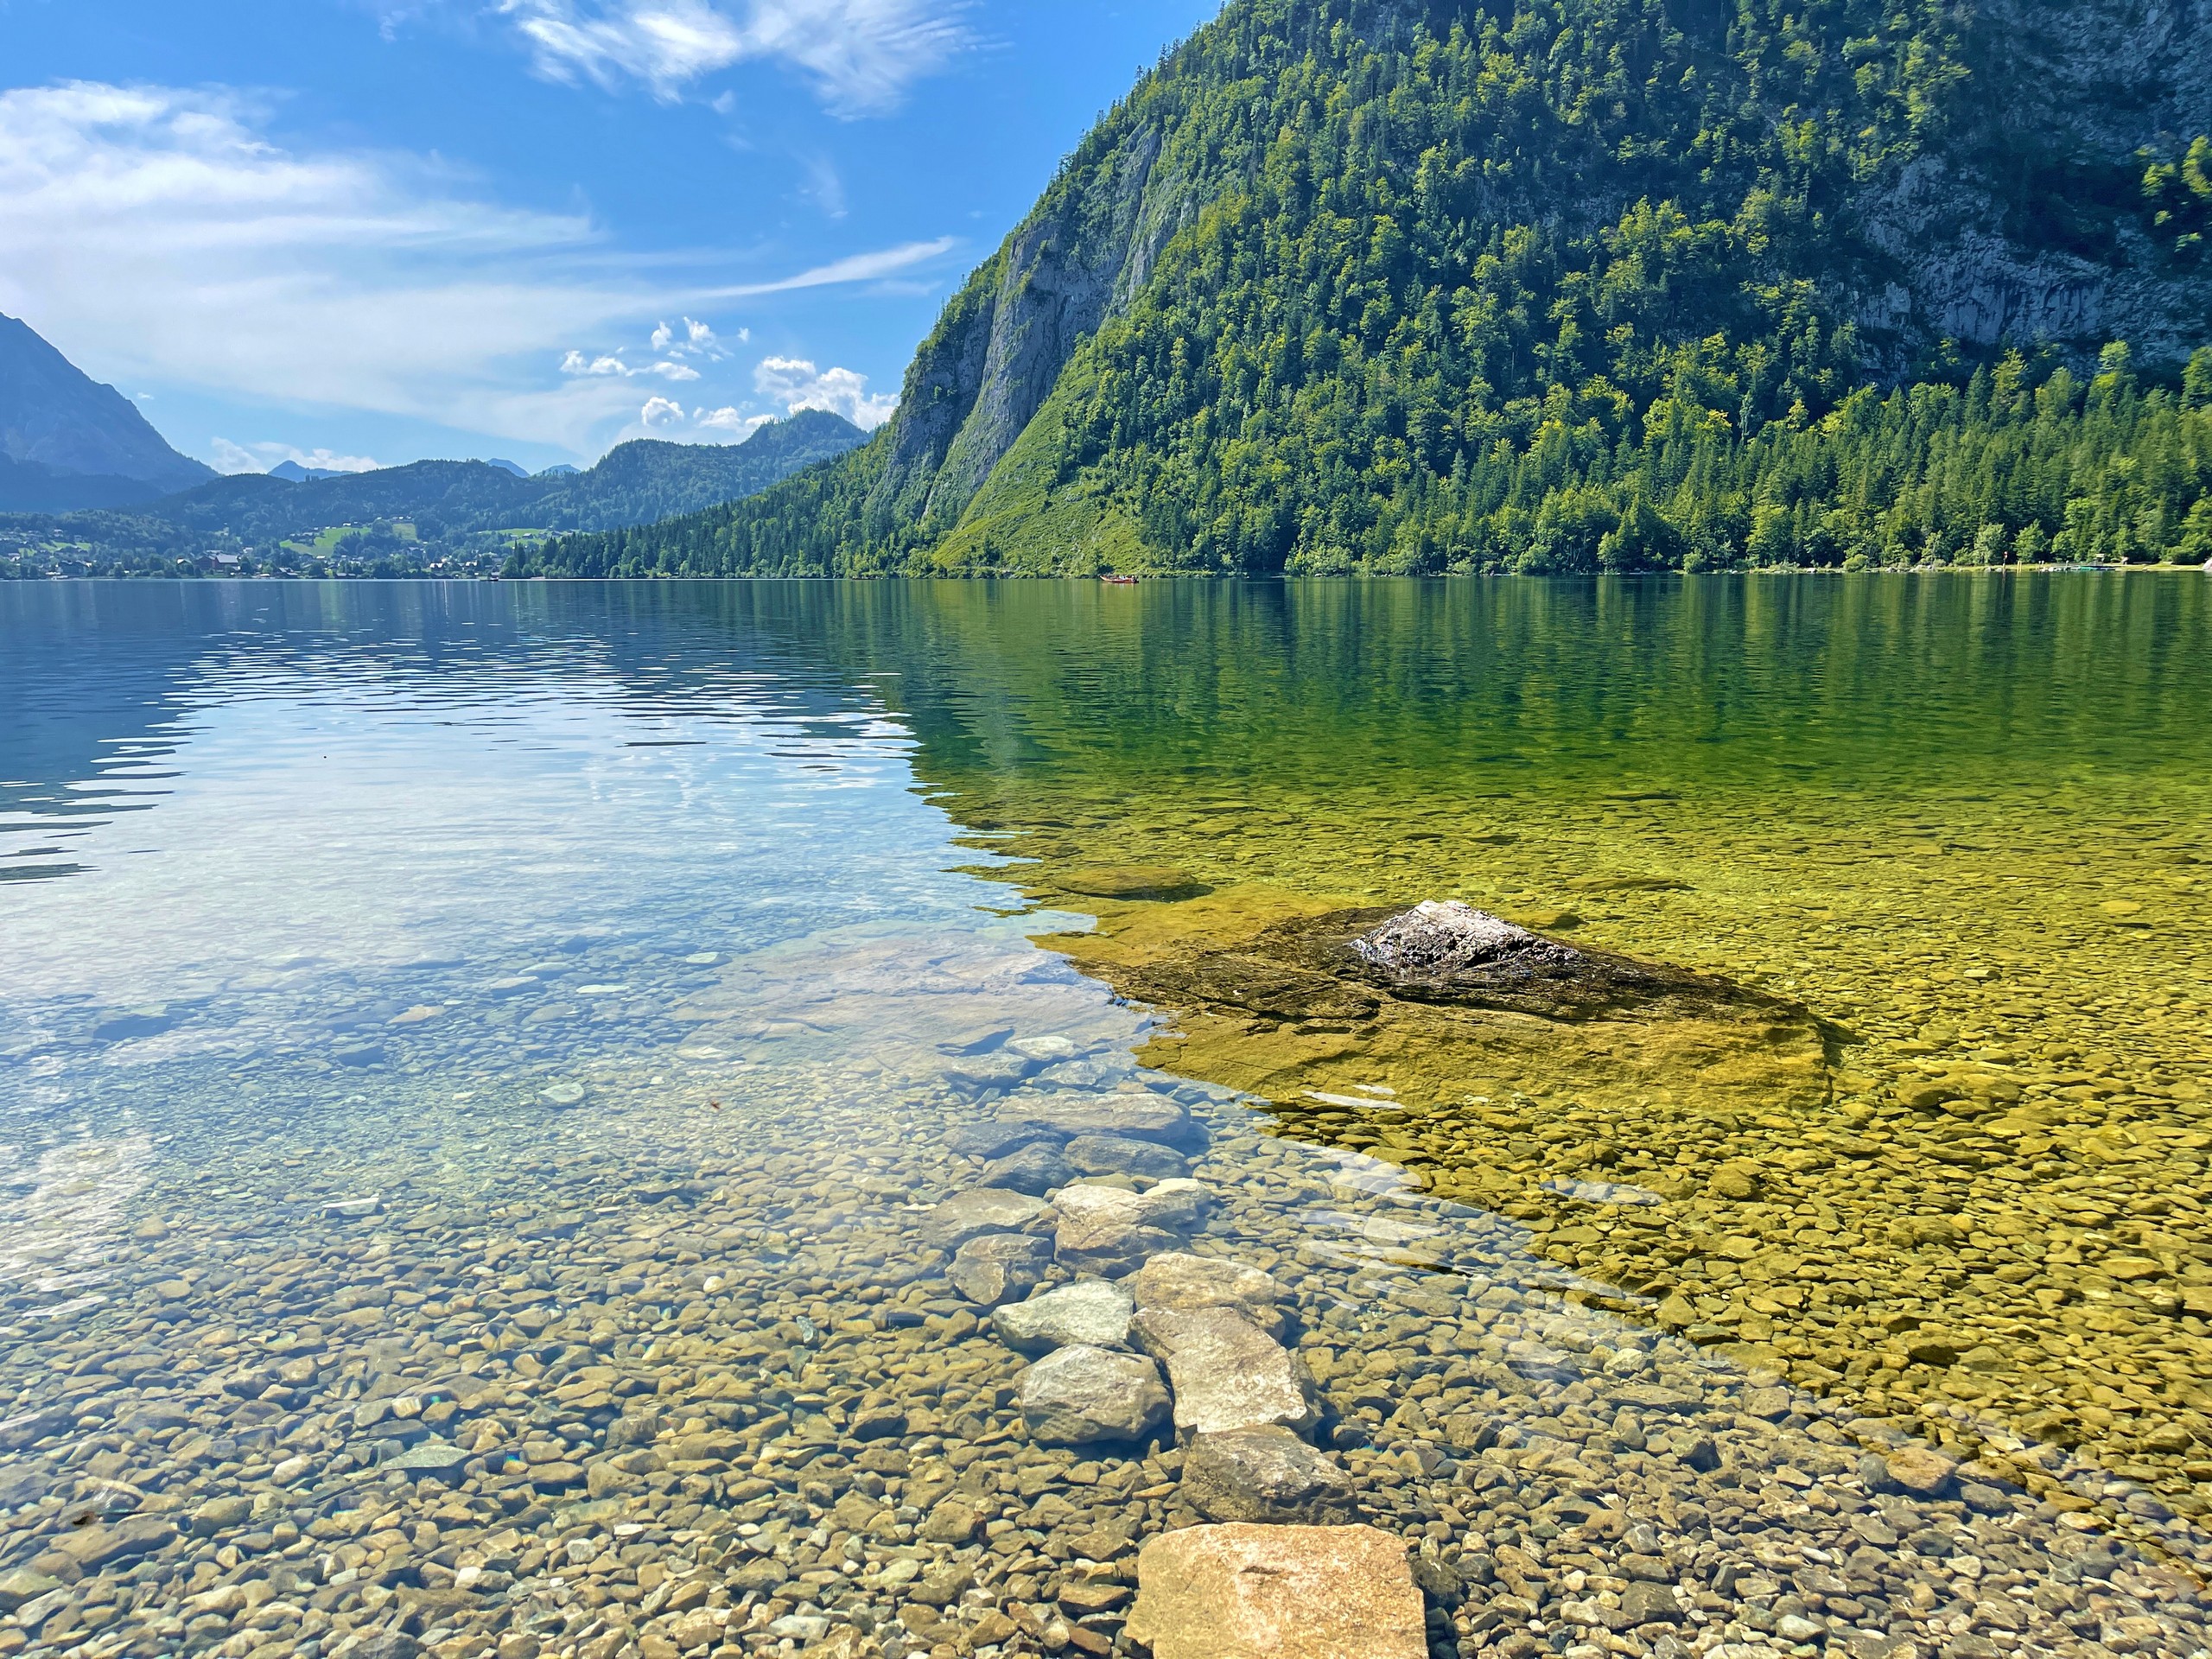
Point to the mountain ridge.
(634, 482)
(1358, 285)
(55, 416)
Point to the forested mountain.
(447, 507)
(1567, 284)
(74, 442)
(635, 483)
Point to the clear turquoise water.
(520, 923)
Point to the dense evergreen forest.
(1555, 286)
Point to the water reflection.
(474, 1151)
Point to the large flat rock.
(1111, 1230)
(984, 1210)
(1090, 1313)
(1240, 1591)
(1081, 1396)
(1228, 1374)
(1176, 1279)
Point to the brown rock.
(952, 1523)
(1920, 1468)
(1264, 1474)
(1227, 1372)
(1277, 1592)
(1000, 1267)
(1174, 1279)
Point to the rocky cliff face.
(2024, 222)
(1083, 253)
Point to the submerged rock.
(1036, 1168)
(1346, 965)
(1264, 1474)
(985, 1209)
(1174, 1279)
(1243, 1592)
(1135, 1117)
(1088, 1312)
(1081, 1396)
(1228, 1373)
(1110, 1230)
(1122, 1155)
(998, 1266)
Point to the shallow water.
(478, 1062)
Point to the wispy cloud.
(859, 267)
(159, 236)
(861, 54)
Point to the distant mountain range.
(67, 441)
(635, 484)
(69, 445)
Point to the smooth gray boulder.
(1081, 1396)
(1088, 1312)
(996, 1267)
(984, 1210)
(1228, 1373)
(1266, 1475)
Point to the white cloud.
(157, 236)
(729, 420)
(260, 457)
(660, 411)
(796, 384)
(861, 54)
(698, 340)
(577, 363)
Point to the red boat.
(1119, 582)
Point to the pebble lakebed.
(690, 1377)
(494, 1283)
(1988, 1203)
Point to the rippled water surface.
(479, 1064)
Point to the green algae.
(1958, 822)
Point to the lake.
(531, 1110)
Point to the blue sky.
(371, 230)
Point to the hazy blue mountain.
(292, 472)
(637, 483)
(68, 426)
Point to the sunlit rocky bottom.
(522, 1164)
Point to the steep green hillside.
(1561, 285)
